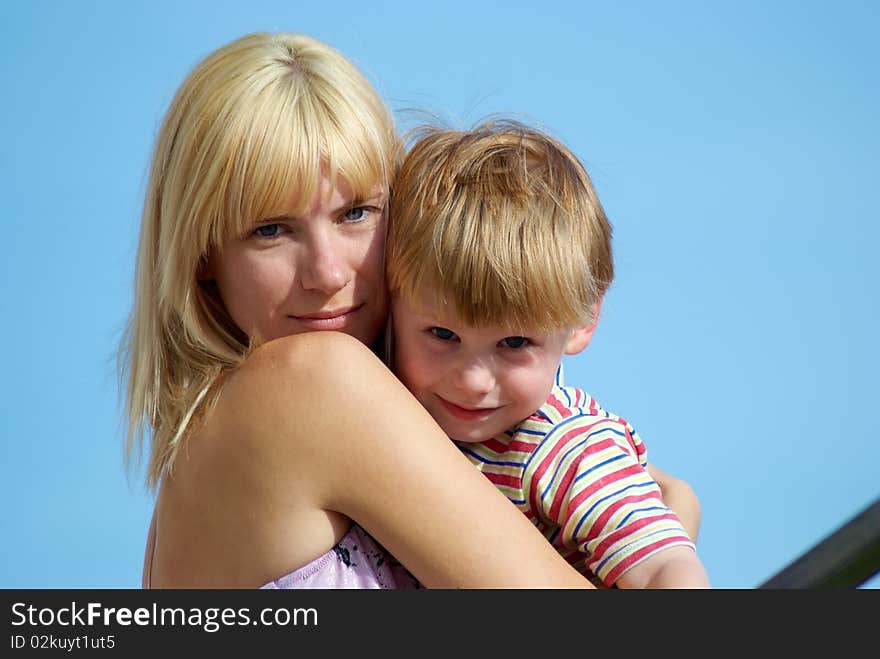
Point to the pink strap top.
(357, 561)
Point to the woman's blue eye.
(268, 230)
(515, 342)
(442, 333)
(355, 214)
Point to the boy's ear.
(582, 334)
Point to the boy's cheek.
(424, 372)
(411, 370)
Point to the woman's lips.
(329, 320)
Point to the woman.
(273, 444)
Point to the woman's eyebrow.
(358, 200)
(275, 218)
(377, 199)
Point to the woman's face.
(320, 270)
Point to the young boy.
(498, 256)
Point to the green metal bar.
(846, 558)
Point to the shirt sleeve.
(591, 482)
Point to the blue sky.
(733, 144)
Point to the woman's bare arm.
(313, 428)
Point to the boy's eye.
(442, 333)
(268, 230)
(355, 214)
(514, 342)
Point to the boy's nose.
(476, 378)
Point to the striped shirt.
(578, 473)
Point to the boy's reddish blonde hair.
(503, 223)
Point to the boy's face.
(475, 382)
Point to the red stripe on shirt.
(504, 479)
(559, 406)
(602, 520)
(629, 529)
(550, 458)
(601, 483)
(635, 557)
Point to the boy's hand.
(675, 567)
(680, 498)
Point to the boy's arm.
(675, 567)
(680, 497)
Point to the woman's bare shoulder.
(267, 431)
(300, 352)
(251, 477)
(289, 388)
(302, 364)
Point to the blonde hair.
(251, 130)
(503, 223)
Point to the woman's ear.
(582, 334)
(205, 271)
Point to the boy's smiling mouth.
(467, 413)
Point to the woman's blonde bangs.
(292, 139)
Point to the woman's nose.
(323, 267)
